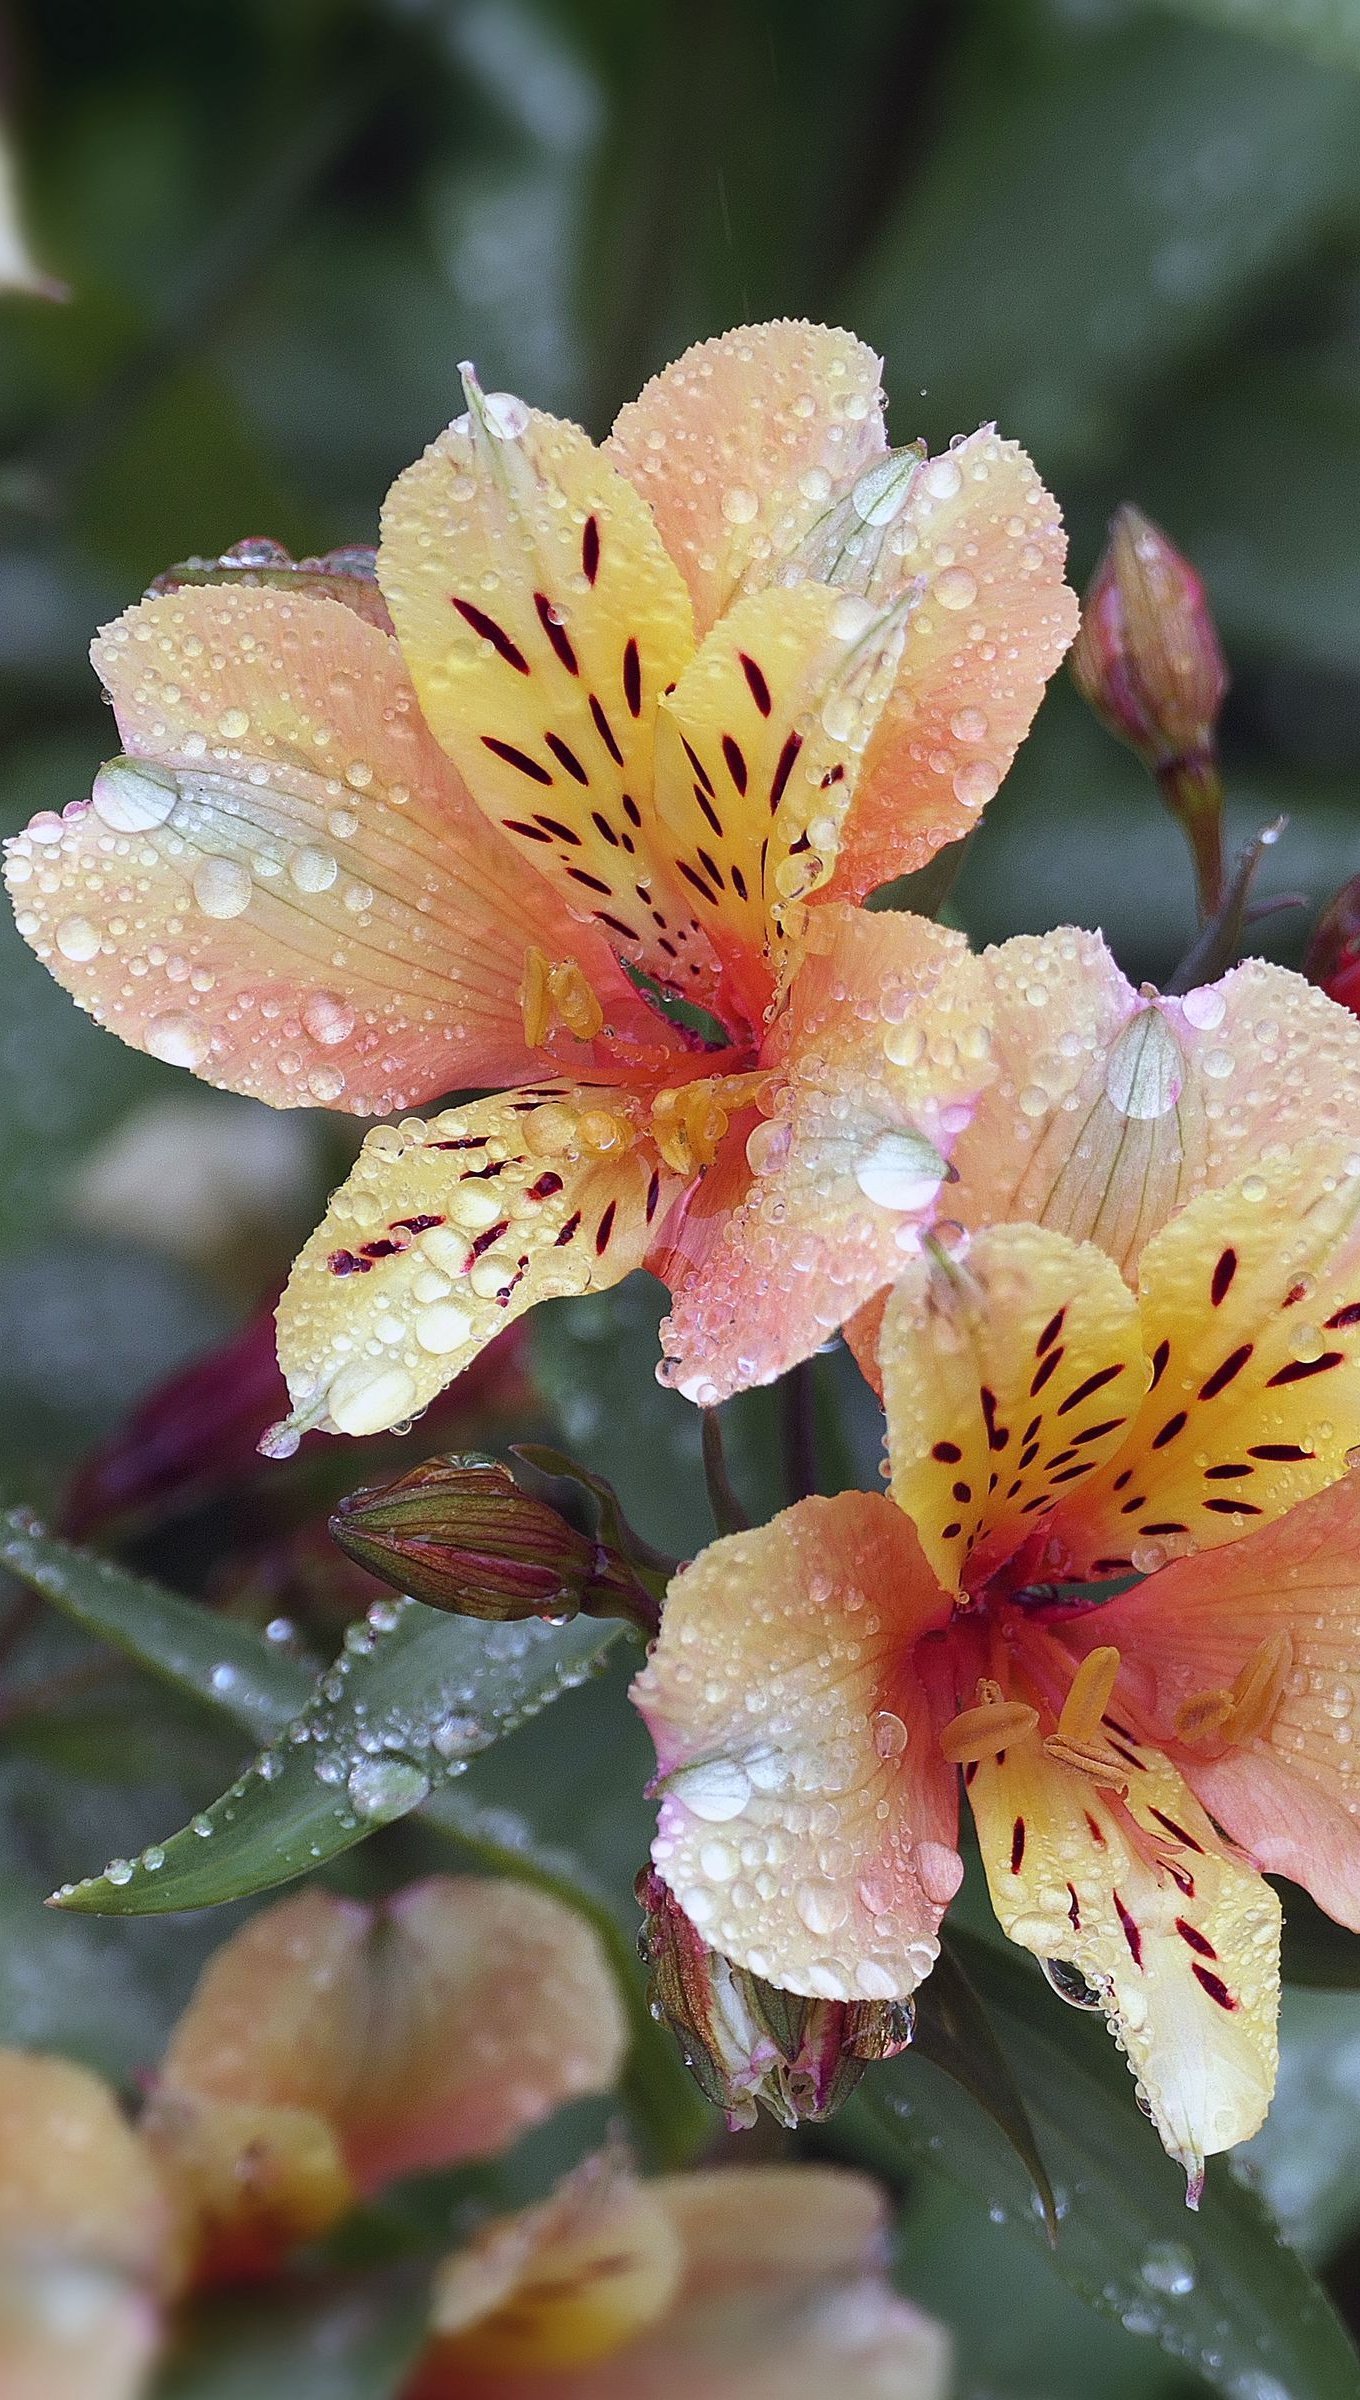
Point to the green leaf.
(1317, 1951)
(1218, 2289)
(954, 2032)
(350, 2341)
(1306, 2157)
(226, 1665)
(1328, 30)
(414, 1695)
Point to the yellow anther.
(557, 993)
(1259, 1688)
(1203, 1717)
(601, 1130)
(688, 1124)
(985, 1731)
(1088, 1697)
(1088, 1759)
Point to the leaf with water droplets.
(413, 1696)
(954, 2032)
(1218, 2289)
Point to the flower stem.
(728, 1514)
(798, 1431)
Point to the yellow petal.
(1291, 1797)
(558, 2286)
(284, 886)
(88, 2244)
(758, 751)
(978, 535)
(430, 2030)
(1250, 1309)
(1008, 1376)
(447, 1230)
(542, 620)
(251, 2182)
(1179, 1942)
(807, 1819)
(740, 445)
(882, 1053)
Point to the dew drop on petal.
(739, 505)
(132, 799)
(176, 1039)
(77, 939)
(222, 887)
(506, 414)
(327, 1018)
(900, 1170)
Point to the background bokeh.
(1130, 233)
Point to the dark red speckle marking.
(1223, 1274)
(1214, 1985)
(556, 632)
(1198, 1941)
(1299, 1369)
(1017, 1845)
(590, 548)
(760, 690)
(604, 1229)
(1131, 1933)
(489, 631)
(632, 677)
(1222, 1376)
(344, 1262)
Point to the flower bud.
(748, 2044)
(349, 575)
(1334, 954)
(1149, 662)
(460, 1534)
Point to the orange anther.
(985, 1731)
(1086, 1701)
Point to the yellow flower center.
(553, 993)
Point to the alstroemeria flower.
(762, 2283)
(328, 2048)
(1132, 1766)
(646, 710)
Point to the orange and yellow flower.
(614, 729)
(332, 2047)
(1134, 1360)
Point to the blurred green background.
(1130, 233)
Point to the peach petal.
(884, 1049)
(1179, 1940)
(88, 2245)
(446, 1231)
(982, 541)
(1292, 1796)
(740, 445)
(541, 620)
(797, 1765)
(433, 2030)
(284, 885)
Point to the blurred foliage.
(1129, 232)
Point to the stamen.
(1086, 1702)
(1203, 1717)
(985, 1731)
(687, 1125)
(555, 994)
(1088, 1759)
(1259, 1688)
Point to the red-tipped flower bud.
(1149, 662)
(748, 2044)
(460, 1534)
(1334, 953)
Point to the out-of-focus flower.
(19, 270)
(204, 1181)
(747, 2041)
(1334, 953)
(745, 2284)
(89, 2248)
(586, 828)
(1149, 662)
(1132, 1767)
(329, 2048)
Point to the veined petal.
(1008, 1375)
(447, 1230)
(434, 2029)
(739, 446)
(885, 1047)
(1249, 1303)
(977, 535)
(284, 885)
(1179, 1941)
(1290, 1794)
(758, 751)
(88, 2246)
(541, 620)
(786, 1714)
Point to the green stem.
(728, 1514)
(798, 1431)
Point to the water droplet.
(767, 1146)
(714, 1789)
(969, 725)
(739, 505)
(901, 1170)
(942, 479)
(890, 1734)
(176, 1039)
(132, 799)
(222, 887)
(119, 1871)
(442, 1328)
(383, 1788)
(327, 1018)
(364, 1401)
(1168, 2267)
(955, 588)
(1306, 1342)
(1068, 1984)
(850, 620)
(1205, 1007)
(976, 783)
(78, 939)
(1145, 1071)
(313, 870)
(881, 491)
(233, 724)
(822, 1907)
(506, 415)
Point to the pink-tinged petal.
(1009, 1374)
(740, 446)
(783, 2296)
(284, 885)
(1111, 1110)
(976, 535)
(1291, 1793)
(435, 2028)
(1178, 1939)
(1249, 1305)
(807, 1821)
(448, 1230)
(542, 620)
(883, 1051)
(88, 2243)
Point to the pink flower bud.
(1334, 955)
